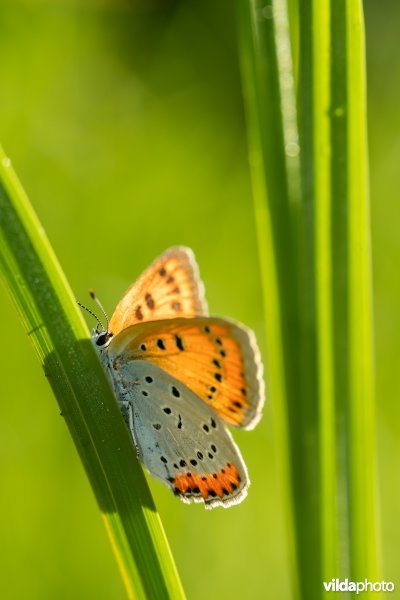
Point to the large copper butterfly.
(180, 378)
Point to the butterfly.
(181, 377)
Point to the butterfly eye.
(103, 338)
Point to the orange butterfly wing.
(170, 287)
(217, 359)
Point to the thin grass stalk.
(361, 414)
(314, 125)
(323, 289)
(351, 296)
(50, 315)
(274, 198)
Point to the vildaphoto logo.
(336, 585)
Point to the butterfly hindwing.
(179, 438)
(216, 358)
(170, 287)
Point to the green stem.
(314, 124)
(361, 414)
(274, 199)
(54, 323)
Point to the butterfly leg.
(127, 413)
(124, 406)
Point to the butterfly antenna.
(92, 313)
(95, 298)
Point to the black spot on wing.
(161, 344)
(179, 342)
(175, 392)
(149, 301)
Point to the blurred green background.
(125, 124)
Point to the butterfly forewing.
(217, 359)
(170, 287)
(180, 439)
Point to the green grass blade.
(314, 245)
(355, 367)
(314, 124)
(54, 323)
(274, 199)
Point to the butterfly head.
(101, 335)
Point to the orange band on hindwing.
(219, 484)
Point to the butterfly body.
(180, 377)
